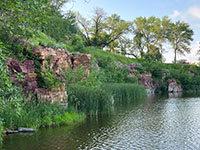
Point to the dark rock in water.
(11, 131)
(26, 130)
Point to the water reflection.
(157, 123)
(175, 95)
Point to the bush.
(68, 118)
(74, 76)
(36, 115)
(50, 81)
(113, 73)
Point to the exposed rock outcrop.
(58, 60)
(146, 80)
(173, 86)
(82, 60)
(58, 94)
(132, 68)
(28, 80)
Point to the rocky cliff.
(58, 60)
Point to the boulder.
(29, 130)
(82, 60)
(173, 86)
(58, 60)
(58, 94)
(146, 80)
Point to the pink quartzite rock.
(82, 60)
(173, 86)
(147, 81)
(27, 68)
(59, 59)
(132, 68)
(57, 95)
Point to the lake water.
(160, 122)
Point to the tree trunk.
(175, 56)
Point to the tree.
(102, 31)
(97, 26)
(180, 36)
(85, 28)
(18, 18)
(115, 28)
(149, 36)
(60, 27)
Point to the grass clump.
(125, 91)
(68, 118)
(89, 100)
(39, 114)
(1, 130)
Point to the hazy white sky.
(185, 10)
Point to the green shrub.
(50, 81)
(132, 80)
(42, 39)
(68, 118)
(46, 121)
(74, 76)
(57, 119)
(113, 73)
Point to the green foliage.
(101, 54)
(1, 131)
(40, 38)
(113, 73)
(60, 27)
(102, 31)
(180, 36)
(132, 80)
(89, 100)
(96, 77)
(10, 98)
(150, 35)
(6, 87)
(17, 18)
(74, 76)
(76, 44)
(68, 118)
(50, 81)
(38, 114)
(125, 92)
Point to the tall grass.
(89, 100)
(125, 91)
(1, 131)
(39, 114)
(100, 54)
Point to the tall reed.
(1, 131)
(125, 91)
(89, 100)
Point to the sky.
(183, 10)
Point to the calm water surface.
(156, 123)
